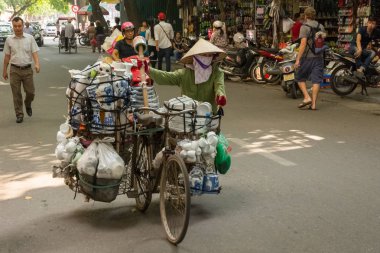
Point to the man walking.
(309, 64)
(163, 34)
(19, 50)
(69, 33)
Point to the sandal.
(311, 108)
(303, 104)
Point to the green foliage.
(60, 5)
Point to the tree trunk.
(132, 12)
(21, 10)
(97, 13)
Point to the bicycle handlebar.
(166, 113)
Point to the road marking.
(2, 83)
(65, 67)
(46, 59)
(262, 152)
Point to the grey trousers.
(17, 78)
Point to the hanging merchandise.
(327, 15)
(346, 18)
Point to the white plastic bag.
(287, 24)
(88, 161)
(111, 165)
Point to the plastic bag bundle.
(111, 165)
(89, 160)
(223, 158)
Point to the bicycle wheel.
(175, 199)
(142, 167)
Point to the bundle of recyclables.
(204, 150)
(101, 99)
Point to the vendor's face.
(208, 55)
(129, 34)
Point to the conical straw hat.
(203, 47)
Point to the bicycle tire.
(142, 167)
(174, 180)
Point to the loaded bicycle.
(169, 150)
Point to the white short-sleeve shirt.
(20, 49)
(163, 32)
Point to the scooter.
(344, 80)
(285, 69)
(240, 64)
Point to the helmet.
(127, 26)
(217, 24)
(238, 38)
(161, 16)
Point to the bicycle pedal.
(132, 194)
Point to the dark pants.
(152, 55)
(66, 43)
(164, 52)
(310, 69)
(365, 59)
(99, 41)
(17, 78)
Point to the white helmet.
(238, 38)
(217, 24)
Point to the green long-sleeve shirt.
(184, 78)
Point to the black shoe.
(19, 119)
(29, 111)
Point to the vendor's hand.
(221, 100)
(157, 48)
(358, 53)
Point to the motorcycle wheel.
(266, 77)
(255, 73)
(338, 84)
(82, 41)
(293, 90)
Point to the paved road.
(301, 181)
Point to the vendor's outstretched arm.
(219, 84)
(166, 78)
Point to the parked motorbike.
(240, 63)
(284, 68)
(84, 39)
(344, 80)
(189, 42)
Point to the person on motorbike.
(201, 79)
(124, 48)
(219, 34)
(91, 36)
(360, 46)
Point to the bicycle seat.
(149, 119)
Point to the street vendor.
(201, 79)
(124, 48)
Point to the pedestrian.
(295, 31)
(309, 65)
(91, 36)
(163, 34)
(28, 29)
(124, 48)
(108, 24)
(117, 24)
(69, 34)
(178, 46)
(99, 35)
(152, 52)
(201, 79)
(219, 34)
(142, 32)
(20, 50)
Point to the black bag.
(312, 42)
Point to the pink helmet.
(161, 16)
(127, 26)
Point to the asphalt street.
(301, 180)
